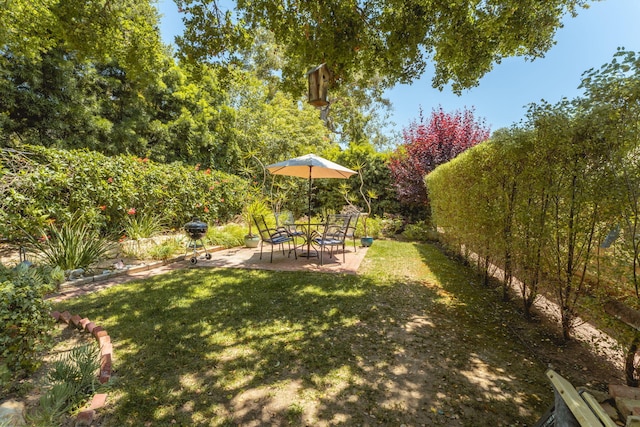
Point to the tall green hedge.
(41, 185)
(541, 201)
(536, 203)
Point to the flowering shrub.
(45, 184)
(429, 143)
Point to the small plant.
(294, 413)
(228, 236)
(72, 380)
(56, 275)
(256, 207)
(78, 367)
(421, 231)
(165, 250)
(374, 228)
(52, 405)
(392, 225)
(69, 246)
(142, 225)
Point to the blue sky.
(587, 41)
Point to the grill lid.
(196, 226)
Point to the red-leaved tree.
(428, 144)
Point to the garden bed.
(129, 256)
(66, 338)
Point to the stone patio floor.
(228, 258)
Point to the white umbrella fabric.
(310, 166)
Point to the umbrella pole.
(309, 218)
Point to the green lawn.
(414, 339)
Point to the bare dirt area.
(578, 359)
(488, 378)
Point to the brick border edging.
(86, 416)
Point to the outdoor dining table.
(308, 229)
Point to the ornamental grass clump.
(141, 225)
(69, 246)
(166, 249)
(228, 236)
(71, 381)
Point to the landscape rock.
(11, 413)
(85, 418)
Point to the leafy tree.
(43, 100)
(357, 111)
(530, 211)
(193, 119)
(612, 96)
(375, 174)
(393, 39)
(263, 58)
(79, 76)
(428, 144)
(577, 170)
(56, 100)
(124, 31)
(63, 95)
(271, 125)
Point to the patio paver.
(228, 258)
(250, 258)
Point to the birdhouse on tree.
(319, 79)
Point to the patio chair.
(351, 231)
(351, 228)
(333, 235)
(273, 236)
(285, 220)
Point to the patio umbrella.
(310, 166)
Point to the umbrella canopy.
(310, 166)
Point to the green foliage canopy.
(125, 31)
(393, 39)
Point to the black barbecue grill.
(196, 230)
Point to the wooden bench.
(573, 408)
